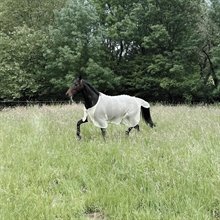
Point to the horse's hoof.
(79, 137)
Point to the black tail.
(146, 116)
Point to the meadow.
(170, 172)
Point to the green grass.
(169, 172)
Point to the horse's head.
(76, 87)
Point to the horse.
(102, 109)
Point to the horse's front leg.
(78, 127)
(103, 132)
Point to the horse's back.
(125, 101)
(120, 103)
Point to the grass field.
(169, 172)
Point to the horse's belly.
(115, 119)
(130, 118)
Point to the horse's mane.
(91, 87)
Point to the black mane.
(91, 87)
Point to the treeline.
(160, 50)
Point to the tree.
(36, 14)
(76, 47)
(152, 46)
(160, 50)
(21, 72)
(23, 33)
(163, 55)
(214, 59)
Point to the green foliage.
(35, 14)
(160, 50)
(214, 15)
(21, 72)
(158, 38)
(101, 77)
(23, 35)
(76, 46)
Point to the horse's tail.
(145, 110)
(146, 116)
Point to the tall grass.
(169, 172)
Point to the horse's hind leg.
(129, 129)
(78, 127)
(103, 132)
(137, 127)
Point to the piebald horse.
(102, 109)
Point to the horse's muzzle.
(69, 93)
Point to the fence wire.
(8, 104)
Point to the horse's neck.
(90, 97)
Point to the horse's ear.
(80, 79)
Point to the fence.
(12, 104)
